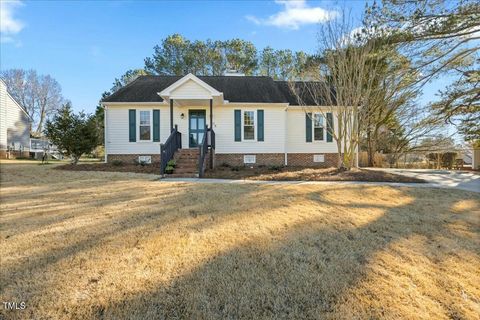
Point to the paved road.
(464, 180)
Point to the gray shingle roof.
(234, 88)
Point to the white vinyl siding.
(14, 123)
(274, 134)
(116, 131)
(223, 118)
(190, 90)
(296, 142)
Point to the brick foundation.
(236, 159)
(306, 160)
(131, 158)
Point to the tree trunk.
(370, 151)
(38, 132)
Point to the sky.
(85, 45)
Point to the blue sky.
(85, 45)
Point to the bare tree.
(343, 84)
(40, 95)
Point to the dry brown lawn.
(83, 245)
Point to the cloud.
(9, 25)
(295, 13)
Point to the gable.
(190, 90)
(190, 87)
(9, 102)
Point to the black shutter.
(156, 125)
(238, 125)
(308, 127)
(260, 128)
(329, 127)
(132, 123)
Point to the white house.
(250, 120)
(14, 126)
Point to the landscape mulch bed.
(259, 173)
(136, 168)
(307, 174)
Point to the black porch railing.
(168, 149)
(207, 141)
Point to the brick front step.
(181, 159)
(192, 166)
(186, 163)
(188, 151)
(186, 170)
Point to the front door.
(196, 127)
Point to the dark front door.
(196, 127)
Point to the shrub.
(275, 168)
(171, 163)
(117, 163)
(225, 165)
(235, 168)
(169, 169)
(74, 134)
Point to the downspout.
(105, 132)
(285, 140)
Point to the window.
(317, 127)
(145, 125)
(249, 125)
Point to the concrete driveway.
(464, 180)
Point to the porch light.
(182, 116)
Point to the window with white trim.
(145, 125)
(249, 125)
(318, 127)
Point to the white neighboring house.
(255, 121)
(40, 146)
(14, 126)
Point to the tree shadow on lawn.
(299, 269)
(33, 273)
(314, 269)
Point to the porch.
(187, 162)
(191, 144)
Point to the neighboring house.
(476, 159)
(255, 120)
(40, 146)
(14, 126)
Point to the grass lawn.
(121, 245)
